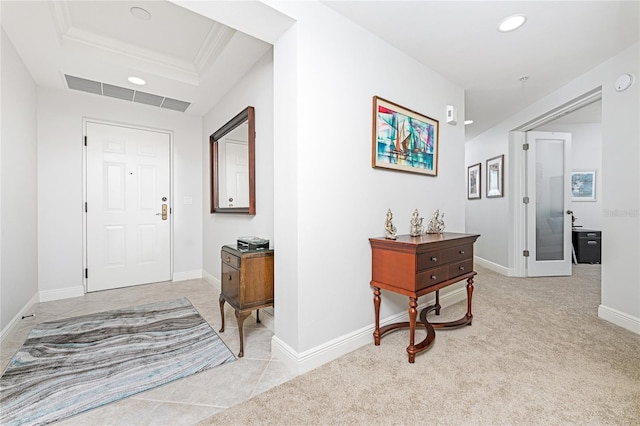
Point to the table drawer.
(230, 259)
(460, 268)
(457, 254)
(431, 277)
(430, 260)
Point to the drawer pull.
(229, 277)
(461, 252)
(434, 259)
(592, 243)
(461, 268)
(228, 259)
(591, 234)
(433, 277)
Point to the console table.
(247, 284)
(415, 266)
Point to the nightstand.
(246, 284)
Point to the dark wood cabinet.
(587, 245)
(246, 284)
(415, 266)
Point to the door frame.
(85, 121)
(517, 189)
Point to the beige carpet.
(536, 354)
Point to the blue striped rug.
(73, 365)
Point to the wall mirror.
(232, 165)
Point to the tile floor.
(185, 401)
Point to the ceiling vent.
(104, 89)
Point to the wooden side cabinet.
(246, 284)
(415, 266)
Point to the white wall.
(620, 153)
(254, 89)
(327, 199)
(586, 154)
(60, 182)
(18, 178)
(334, 200)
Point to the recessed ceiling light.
(511, 23)
(140, 13)
(137, 80)
(468, 122)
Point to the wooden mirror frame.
(248, 114)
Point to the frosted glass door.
(549, 199)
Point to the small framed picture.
(474, 187)
(583, 185)
(495, 177)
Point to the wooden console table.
(247, 284)
(415, 266)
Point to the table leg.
(258, 316)
(221, 301)
(413, 313)
(437, 305)
(241, 317)
(469, 294)
(376, 308)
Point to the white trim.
(619, 318)
(14, 322)
(61, 293)
(301, 362)
(187, 275)
(211, 279)
(502, 270)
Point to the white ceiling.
(185, 56)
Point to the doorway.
(128, 206)
(582, 110)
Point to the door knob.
(164, 212)
(569, 211)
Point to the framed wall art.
(495, 177)
(474, 181)
(583, 185)
(403, 139)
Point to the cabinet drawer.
(432, 276)
(460, 268)
(458, 254)
(230, 259)
(230, 283)
(430, 260)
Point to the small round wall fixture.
(624, 82)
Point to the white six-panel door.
(128, 238)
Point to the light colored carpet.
(536, 354)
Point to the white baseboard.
(211, 279)
(61, 293)
(187, 275)
(502, 270)
(301, 362)
(619, 318)
(14, 322)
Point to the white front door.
(128, 231)
(549, 192)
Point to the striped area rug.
(73, 365)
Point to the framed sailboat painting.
(403, 139)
